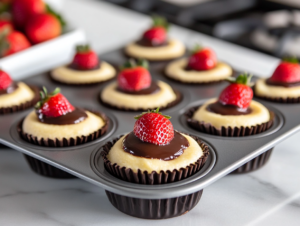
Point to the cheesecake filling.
(134, 146)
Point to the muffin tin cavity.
(145, 191)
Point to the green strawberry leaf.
(57, 15)
(152, 111)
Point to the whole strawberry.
(134, 76)
(85, 58)
(5, 80)
(238, 93)
(22, 10)
(157, 34)
(153, 127)
(53, 104)
(287, 71)
(12, 42)
(43, 27)
(202, 59)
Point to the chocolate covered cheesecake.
(200, 67)
(155, 44)
(284, 84)
(86, 68)
(135, 90)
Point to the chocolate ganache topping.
(137, 147)
(222, 109)
(149, 43)
(283, 84)
(12, 87)
(153, 88)
(74, 117)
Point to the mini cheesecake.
(57, 120)
(155, 45)
(154, 153)
(201, 67)
(15, 95)
(233, 111)
(283, 85)
(85, 68)
(136, 91)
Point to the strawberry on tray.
(29, 22)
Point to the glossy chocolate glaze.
(222, 109)
(153, 88)
(74, 117)
(283, 84)
(173, 150)
(74, 67)
(148, 43)
(13, 86)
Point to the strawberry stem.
(45, 96)
(131, 63)
(244, 79)
(51, 11)
(152, 111)
(196, 48)
(159, 21)
(83, 48)
(293, 60)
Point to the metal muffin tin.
(85, 162)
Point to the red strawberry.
(238, 93)
(287, 71)
(6, 25)
(42, 27)
(202, 59)
(85, 58)
(157, 34)
(53, 104)
(22, 10)
(5, 80)
(13, 42)
(153, 127)
(134, 76)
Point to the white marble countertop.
(269, 196)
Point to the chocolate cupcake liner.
(154, 208)
(226, 131)
(65, 142)
(169, 105)
(255, 163)
(25, 105)
(46, 170)
(289, 100)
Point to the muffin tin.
(84, 161)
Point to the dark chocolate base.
(172, 104)
(226, 131)
(255, 163)
(154, 208)
(47, 170)
(28, 104)
(64, 142)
